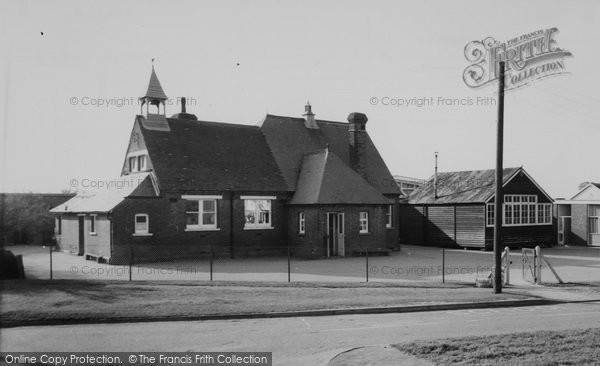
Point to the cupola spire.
(155, 96)
(309, 117)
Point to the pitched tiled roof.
(472, 186)
(155, 90)
(106, 198)
(325, 179)
(289, 140)
(210, 156)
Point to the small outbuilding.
(578, 219)
(458, 211)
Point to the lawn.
(571, 347)
(40, 301)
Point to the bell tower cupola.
(152, 104)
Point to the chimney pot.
(358, 121)
(183, 105)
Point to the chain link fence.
(276, 264)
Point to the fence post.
(443, 265)
(367, 263)
(507, 266)
(130, 261)
(212, 257)
(523, 263)
(289, 265)
(50, 247)
(538, 265)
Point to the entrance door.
(341, 235)
(564, 230)
(335, 234)
(81, 234)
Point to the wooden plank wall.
(443, 225)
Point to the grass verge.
(35, 301)
(570, 347)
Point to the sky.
(236, 61)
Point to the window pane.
(142, 162)
(594, 225)
(191, 218)
(263, 217)
(250, 216)
(191, 206)
(141, 225)
(208, 218)
(209, 205)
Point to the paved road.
(299, 341)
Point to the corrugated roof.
(210, 156)
(113, 192)
(155, 90)
(325, 179)
(289, 140)
(472, 186)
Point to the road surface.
(298, 341)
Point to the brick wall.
(313, 243)
(69, 239)
(167, 223)
(579, 225)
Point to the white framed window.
(544, 213)
(490, 214)
(132, 163)
(521, 210)
(142, 163)
(92, 224)
(137, 161)
(363, 221)
(141, 224)
(301, 223)
(201, 212)
(594, 219)
(390, 217)
(257, 212)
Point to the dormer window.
(142, 163)
(137, 161)
(132, 164)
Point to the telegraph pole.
(499, 198)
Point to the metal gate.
(530, 263)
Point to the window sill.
(93, 234)
(364, 233)
(259, 228)
(520, 225)
(202, 229)
(142, 234)
(389, 227)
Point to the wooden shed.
(459, 212)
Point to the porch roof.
(106, 198)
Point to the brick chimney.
(309, 117)
(358, 136)
(183, 114)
